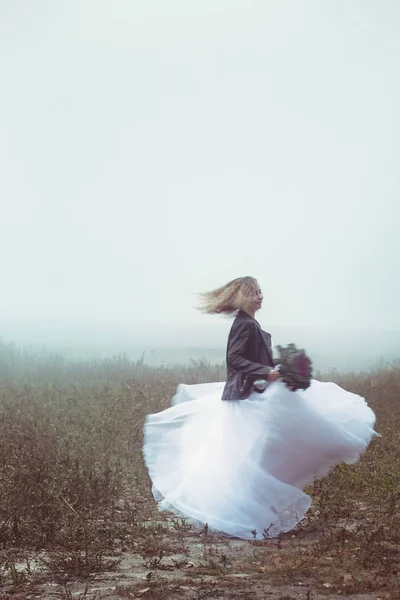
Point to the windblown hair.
(225, 299)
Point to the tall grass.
(71, 438)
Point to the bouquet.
(295, 367)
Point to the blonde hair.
(225, 299)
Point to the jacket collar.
(242, 314)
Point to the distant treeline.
(36, 365)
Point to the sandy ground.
(202, 572)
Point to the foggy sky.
(153, 149)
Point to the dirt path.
(206, 567)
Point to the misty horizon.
(344, 350)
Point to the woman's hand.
(272, 376)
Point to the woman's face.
(252, 299)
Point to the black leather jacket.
(248, 357)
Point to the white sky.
(152, 149)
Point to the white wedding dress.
(240, 466)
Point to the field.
(77, 518)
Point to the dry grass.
(75, 496)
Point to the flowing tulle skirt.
(241, 466)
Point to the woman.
(240, 466)
(249, 351)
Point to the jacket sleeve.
(236, 352)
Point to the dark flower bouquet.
(295, 367)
